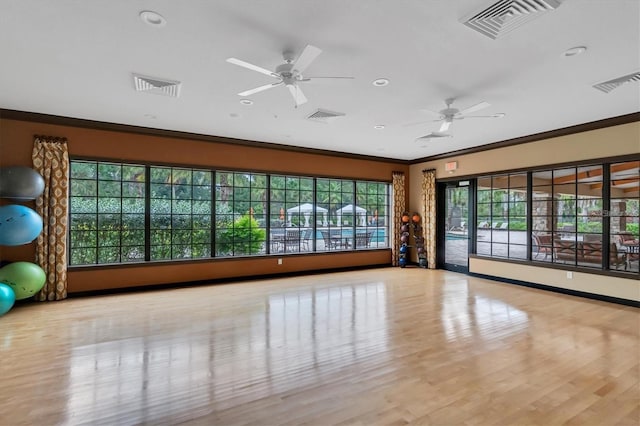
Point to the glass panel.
(456, 235)
(624, 217)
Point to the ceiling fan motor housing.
(287, 74)
(449, 112)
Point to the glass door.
(456, 223)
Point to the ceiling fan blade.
(297, 94)
(498, 115)
(306, 57)
(445, 126)
(259, 89)
(434, 135)
(474, 108)
(314, 77)
(247, 65)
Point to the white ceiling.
(76, 59)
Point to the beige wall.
(622, 288)
(595, 144)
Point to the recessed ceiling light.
(574, 51)
(380, 82)
(246, 101)
(153, 18)
(379, 126)
(499, 115)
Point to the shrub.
(244, 237)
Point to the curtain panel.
(51, 159)
(429, 215)
(399, 207)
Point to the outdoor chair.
(616, 257)
(292, 240)
(363, 239)
(542, 244)
(326, 237)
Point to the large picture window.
(122, 213)
(579, 216)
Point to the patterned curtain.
(429, 214)
(399, 206)
(51, 159)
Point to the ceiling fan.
(288, 74)
(449, 114)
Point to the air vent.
(324, 115)
(155, 85)
(507, 15)
(608, 86)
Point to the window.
(501, 216)
(293, 213)
(372, 213)
(567, 215)
(337, 197)
(122, 213)
(180, 206)
(107, 213)
(624, 214)
(241, 205)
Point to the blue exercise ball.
(403, 248)
(20, 183)
(402, 262)
(18, 225)
(7, 298)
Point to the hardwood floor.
(385, 346)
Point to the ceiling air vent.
(608, 86)
(155, 85)
(507, 15)
(324, 115)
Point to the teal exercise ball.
(7, 298)
(18, 225)
(20, 183)
(24, 278)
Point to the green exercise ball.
(25, 278)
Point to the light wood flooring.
(379, 347)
